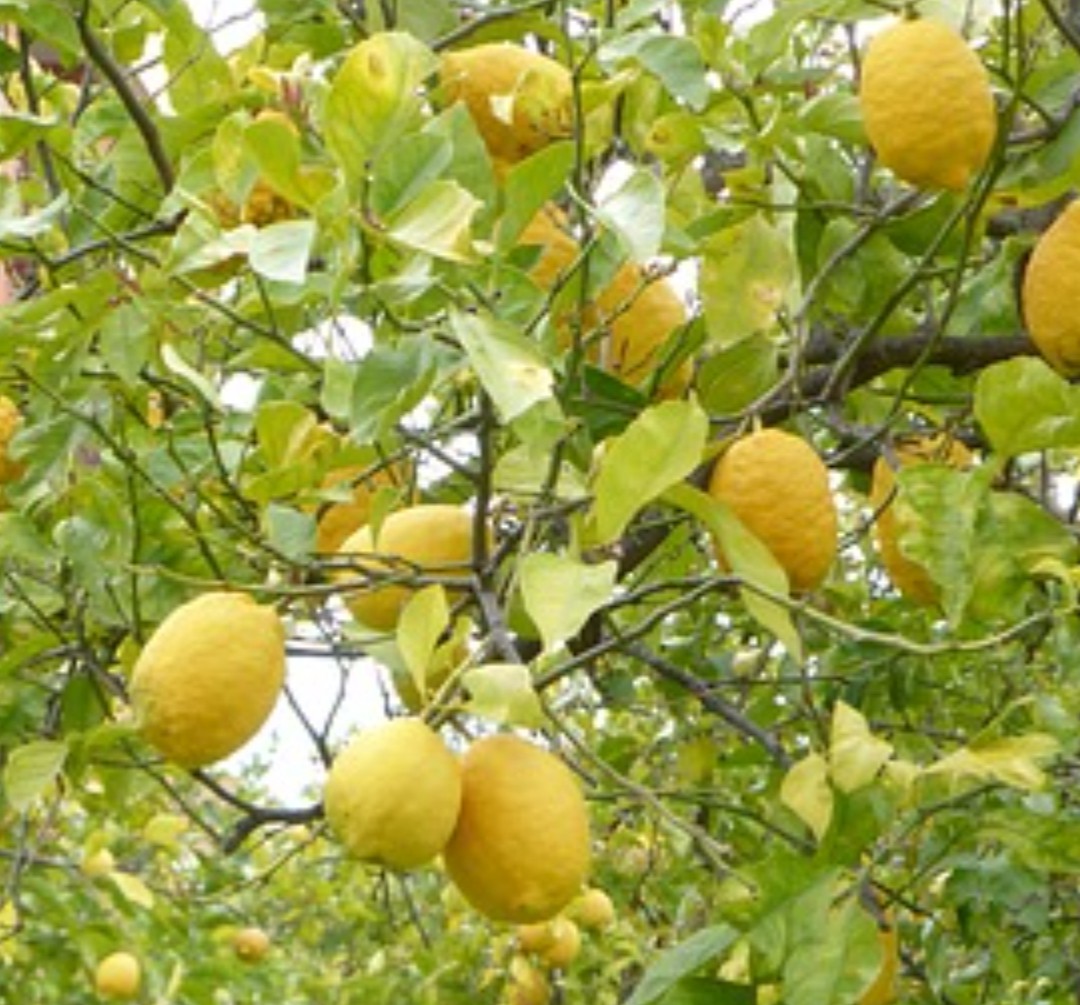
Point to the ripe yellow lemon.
(910, 578)
(520, 851)
(593, 909)
(340, 520)
(778, 487)
(640, 314)
(250, 944)
(883, 989)
(10, 421)
(520, 100)
(927, 104)
(535, 937)
(430, 539)
(393, 794)
(209, 678)
(118, 975)
(1051, 292)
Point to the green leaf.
(127, 341)
(437, 222)
(180, 367)
(280, 251)
(839, 964)
(1011, 761)
(133, 889)
(503, 693)
(1024, 406)
(747, 277)
(19, 130)
(423, 620)
(405, 176)
(749, 559)
(560, 593)
(530, 185)
(658, 449)
(510, 367)
(709, 991)
(290, 531)
(855, 754)
(389, 382)
(734, 377)
(374, 98)
(936, 509)
(635, 212)
(806, 791)
(682, 961)
(31, 771)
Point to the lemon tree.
(521, 502)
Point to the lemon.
(393, 794)
(520, 100)
(778, 487)
(429, 539)
(1051, 292)
(528, 985)
(565, 944)
(340, 520)
(98, 863)
(118, 975)
(10, 422)
(642, 315)
(535, 937)
(883, 989)
(520, 851)
(639, 314)
(593, 909)
(927, 105)
(250, 944)
(209, 678)
(910, 578)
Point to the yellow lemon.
(528, 985)
(520, 851)
(1051, 292)
(10, 422)
(642, 315)
(520, 100)
(535, 937)
(564, 946)
(639, 314)
(927, 105)
(209, 678)
(425, 539)
(340, 520)
(393, 794)
(98, 863)
(118, 976)
(593, 909)
(778, 487)
(250, 944)
(883, 989)
(910, 578)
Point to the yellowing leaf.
(163, 830)
(133, 888)
(424, 618)
(509, 366)
(503, 693)
(31, 770)
(855, 754)
(560, 593)
(1010, 760)
(437, 222)
(657, 450)
(806, 791)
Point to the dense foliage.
(296, 258)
